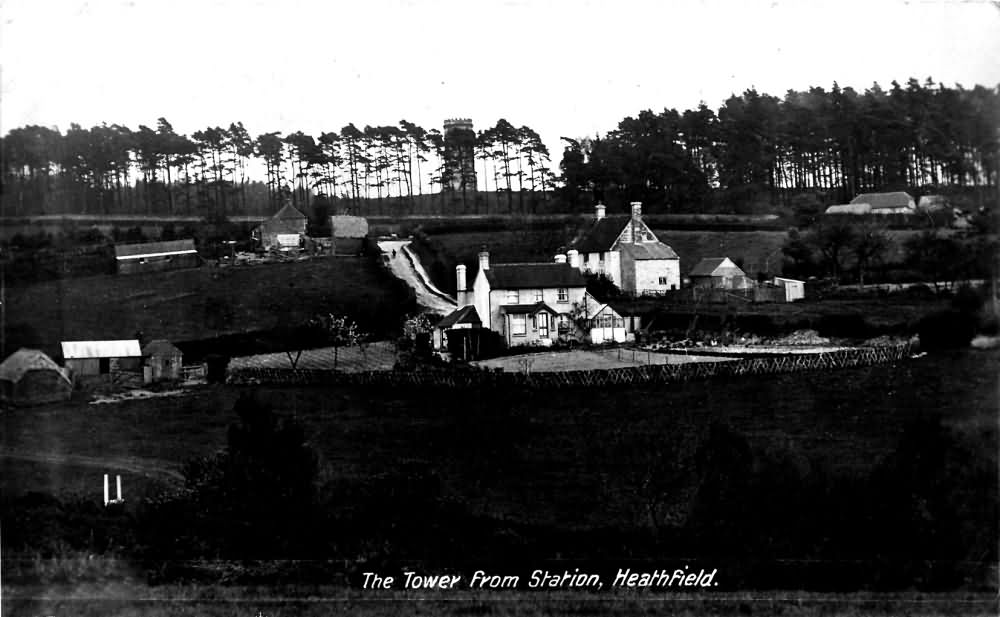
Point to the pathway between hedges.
(406, 266)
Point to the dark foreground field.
(203, 303)
(875, 478)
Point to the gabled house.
(526, 303)
(897, 202)
(719, 273)
(628, 252)
(284, 230)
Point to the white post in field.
(105, 489)
(118, 481)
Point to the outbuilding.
(156, 256)
(90, 359)
(282, 231)
(350, 234)
(29, 377)
(719, 273)
(162, 361)
(794, 289)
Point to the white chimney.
(460, 284)
(599, 211)
(636, 209)
(574, 257)
(118, 481)
(106, 496)
(560, 258)
(484, 259)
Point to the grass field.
(202, 303)
(95, 600)
(583, 360)
(379, 356)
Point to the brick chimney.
(636, 210)
(599, 212)
(636, 220)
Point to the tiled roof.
(648, 250)
(898, 199)
(172, 247)
(534, 276)
(101, 349)
(161, 348)
(466, 314)
(602, 235)
(709, 265)
(527, 309)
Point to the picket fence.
(623, 376)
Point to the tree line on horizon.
(760, 148)
(755, 152)
(117, 170)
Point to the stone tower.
(459, 155)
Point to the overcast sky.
(569, 68)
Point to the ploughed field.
(563, 458)
(201, 303)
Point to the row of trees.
(757, 147)
(216, 172)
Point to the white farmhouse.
(628, 253)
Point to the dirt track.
(405, 265)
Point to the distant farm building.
(162, 361)
(932, 203)
(29, 377)
(855, 209)
(156, 256)
(897, 202)
(349, 234)
(105, 359)
(459, 333)
(718, 273)
(283, 231)
(794, 289)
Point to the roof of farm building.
(148, 249)
(534, 276)
(849, 209)
(897, 199)
(161, 348)
(346, 226)
(23, 360)
(716, 266)
(101, 349)
(649, 250)
(466, 314)
(288, 212)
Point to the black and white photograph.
(508, 307)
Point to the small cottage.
(156, 256)
(89, 359)
(283, 231)
(719, 273)
(29, 377)
(161, 361)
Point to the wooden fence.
(624, 376)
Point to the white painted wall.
(649, 271)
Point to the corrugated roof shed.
(534, 276)
(897, 199)
(346, 226)
(149, 249)
(23, 360)
(101, 349)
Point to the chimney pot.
(599, 211)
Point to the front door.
(543, 325)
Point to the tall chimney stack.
(484, 259)
(573, 256)
(460, 284)
(636, 210)
(599, 211)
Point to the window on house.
(663, 280)
(538, 295)
(518, 325)
(563, 294)
(512, 296)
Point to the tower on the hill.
(459, 155)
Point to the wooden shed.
(719, 273)
(284, 230)
(162, 361)
(102, 358)
(29, 377)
